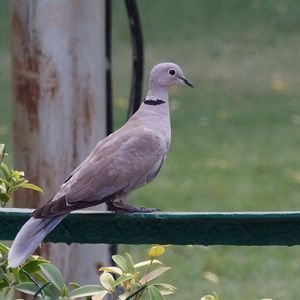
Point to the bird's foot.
(123, 207)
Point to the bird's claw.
(123, 207)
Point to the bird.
(123, 161)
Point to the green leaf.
(134, 293)
(130, 263)
(120, 262)
(32, 187)
(154, 293)
(21, 181)
(211, 297)
(107, 281)
(3, 189)
(146, 263)
(114, 270)
(73, 285)
(85, 291)
(16, 275)
(208, 297)
(17, 184)
(5, 170)
(165, 289)
(4, 198)
(27, 288)
(44, 290)
(2, 152)
(16, 175)
(3, 249)
(154, 274)
(49, 291)
(1, 274)
(8, 293)
(53, 275)
(33, 266)
(122, 278)
(6, 184)
(38, 258)
(100, 295)
(3, 284)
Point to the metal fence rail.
(184, 228)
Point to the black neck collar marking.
(154, 102)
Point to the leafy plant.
(132, 280)
(39, 278)
(11, 278)
(43, 280)
(11, 180)
(51, 285)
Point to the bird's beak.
(185, 81)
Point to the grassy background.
(236, 136)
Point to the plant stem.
(137, 293)
(148, 268)
(147, 271)
(33, 280)
(40, 290)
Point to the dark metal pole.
(137, 72)
(138, 56)
(113, 248)
(109, 109)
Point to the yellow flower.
(156, 251)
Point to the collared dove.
(122, 162)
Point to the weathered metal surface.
(58, 75)
(247, 229)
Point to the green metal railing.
(242, 228)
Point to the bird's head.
(165, 75)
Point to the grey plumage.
(120, 163)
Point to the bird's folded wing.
(127, 161)
(121, 164)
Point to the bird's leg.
(121, 206)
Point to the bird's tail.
(29, 237)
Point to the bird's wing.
(128, 160)
(98, 146)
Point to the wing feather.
(125, 162)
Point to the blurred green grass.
(236, 136)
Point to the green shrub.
(11, 180)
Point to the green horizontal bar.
(243, 228)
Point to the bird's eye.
(172, 72)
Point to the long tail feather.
(29, 237)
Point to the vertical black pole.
(138, 67)
(109, 107)
(109, 110)
(138, 56)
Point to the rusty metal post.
(58, 73)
